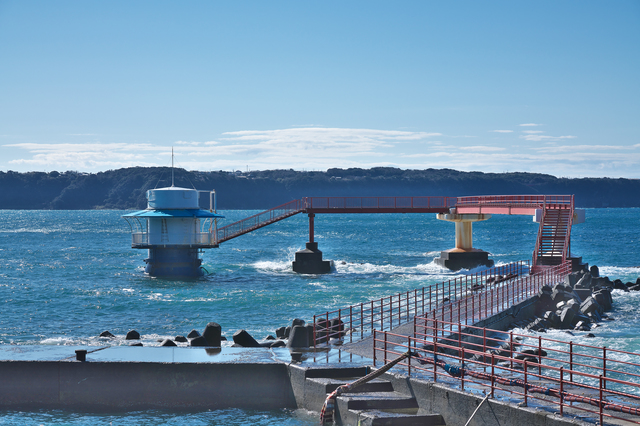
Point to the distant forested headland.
(126, 188)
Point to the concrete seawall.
(115, 379)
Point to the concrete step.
(328, 385)
(376, 401)
(337, 372)
(385, 418)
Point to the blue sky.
(545, 86)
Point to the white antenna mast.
(172, 167)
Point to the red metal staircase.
(554, 236)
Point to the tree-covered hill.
(126, 188)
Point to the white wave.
(273, 266)
(319, 285)
(624, 273)
(159, 297)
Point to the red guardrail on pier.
(378, 204)
(469, 295)
(562, 376)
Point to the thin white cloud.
(529, 125)
(580, 148)
(483, 148)
(323, 148)
(532, 132)
(502, 131)
(538, 138)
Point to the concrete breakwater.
(264, 377)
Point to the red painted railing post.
(351, 323)
(374, 347)
(315, 337)
(385, 347)
(604, 364)
(361, 320)
(462, 369)
(571, 362)
(409, 359)
(525, 382)
(601, 405)
(561, 389)
(539, 354)
(493, 373)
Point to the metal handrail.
(388, 312)
(258, 220)
(562, 367)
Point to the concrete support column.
(464, 235)
(309, 260)
(463, 256)
(311, 225)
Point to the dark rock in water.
(223, 338)
(107, 333)
(545, 289)
(582, 326)
(133, 335)
(280, 332)
(297, 321)
(590, 335)
(212, 333)
(309, 328)
(635, 287)
(573, 278)
(569, 333)
(322, 330)
(269, 337)
(559, 295)
(619, 285)
(299, 337)
(590, 305)
(168, 342)
(181, 339)
(198, 341)
(136, 344)
(584, 282)
(243, 338)
(193, 334)
(278, 344)
(552, 318)
(595, 271)
(567, 318)
(337, 329)
(287, 332)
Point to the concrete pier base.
(456, 259)
(309, 261)
(463, 256)
(173, 262)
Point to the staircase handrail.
(566, 252)
(258, 220)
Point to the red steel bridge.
(552, 244)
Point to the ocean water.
(66, 276)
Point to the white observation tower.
(174, 229)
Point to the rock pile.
(578, 303)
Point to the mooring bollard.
(81, 354)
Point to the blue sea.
(66, 276)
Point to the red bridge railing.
(377, 204)
(528, 200)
